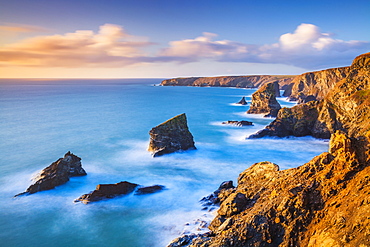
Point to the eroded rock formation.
(324, 202)
(253, 81)
(109, 191)
(57, 174)
(264, 100)
(171, 136)
(345, 107)
(317, 84)
(243, 102)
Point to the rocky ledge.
(108, 191)
(324, 202)
(239, 123)
(264, 100)
(171, 136)
(57, 173)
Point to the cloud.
(20, 28)
(306, 47)
(110, 47)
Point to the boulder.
(57, 174)
(264, 100)
(243, 102)
(171, 136)
(107, 191)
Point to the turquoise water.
(106, 123)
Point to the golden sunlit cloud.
(110, 47)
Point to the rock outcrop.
(171, 136)
(253, 81)
(243, 102)
(239, 123)
(109, 191)
(57, 174)
(345, 107)
(317, 84)
(264, 100)
(324, 202)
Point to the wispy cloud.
(112, 46)
(20, 28)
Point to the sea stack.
(264, 100)
(57, 173)
(171, 136)
(242, 102)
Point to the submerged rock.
(243, 102)
(171, 136)
(238, 123)
(264, 100)
(106, 191)
(149, 189)
(57, 173)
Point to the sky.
(173, 38)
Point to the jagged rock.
(254, 81)
(215, 198)
(107, 191)
(305, 99)
(243, 102)
(171, 136)
(264, 100)
(345, 107)
(149, 189)
(324, 202)
(317, 83)
(238, 123)
(57, 174)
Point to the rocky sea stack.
(171, 136)
(57, 173)
(264, 100)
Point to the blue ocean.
(106, 123)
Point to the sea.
(106, 123)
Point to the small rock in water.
(243, 102)
(149, 189)
(57, 173)
(238, 123)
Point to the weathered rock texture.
(57, 173)
(107, 191)
(345, 107)
(325, 202)
(264, 100)
(171, 136)
(253, 81)
(317, 83)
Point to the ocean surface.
(106, 123)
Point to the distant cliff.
(317, 83)
(345, 107)
(253, 81)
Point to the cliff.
(324, 202)
(316, 84)
(253, 81)
(345, 107)
(171, 136)
(264, 100)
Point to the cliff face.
(229, 81)
(345, 107)
(324, 202)
(317, 83)
(264, 100)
